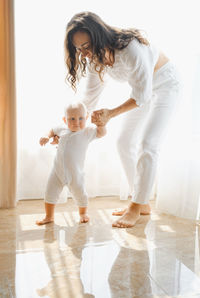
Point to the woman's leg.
(155, 126)
(127, 144)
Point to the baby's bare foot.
(45, 221)
(84, 218)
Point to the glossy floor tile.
(159, 257)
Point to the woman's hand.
(101, 117)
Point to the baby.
(69, 160)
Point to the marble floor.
(160, 257)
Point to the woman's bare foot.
(84, 218)
(144, 210)
(119, 212)
(45, 221)
(129, 218)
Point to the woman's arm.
(93, 89)
(101, 117)
(125, 107)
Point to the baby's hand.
(55, 140)
(43, 141)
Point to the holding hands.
(101, 117)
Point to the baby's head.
(75, 116)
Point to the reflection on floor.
(159, 257)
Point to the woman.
(94, 48)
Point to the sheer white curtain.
(42, 92)
(178, 182)
(178, 187)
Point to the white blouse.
(134, 64)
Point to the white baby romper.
(68, 168)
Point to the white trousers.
(142, 133)
(76, 187)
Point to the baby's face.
(76, 119)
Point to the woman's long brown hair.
(102, 36)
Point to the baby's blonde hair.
(75, 106)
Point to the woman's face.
(82, 43)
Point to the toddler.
(69, 160)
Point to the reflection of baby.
(69, 160)
(65, 280)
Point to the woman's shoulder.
(129, 53)
(131, 49)
(136, 50)
(135, 46)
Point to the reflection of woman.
(95, 48)
(133, 278)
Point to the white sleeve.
(94, 87)
(59, 130)
(140, 61)
(91, 132)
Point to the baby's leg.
(49, 208)
(79, 194)
(53, 190)
(83, 214)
